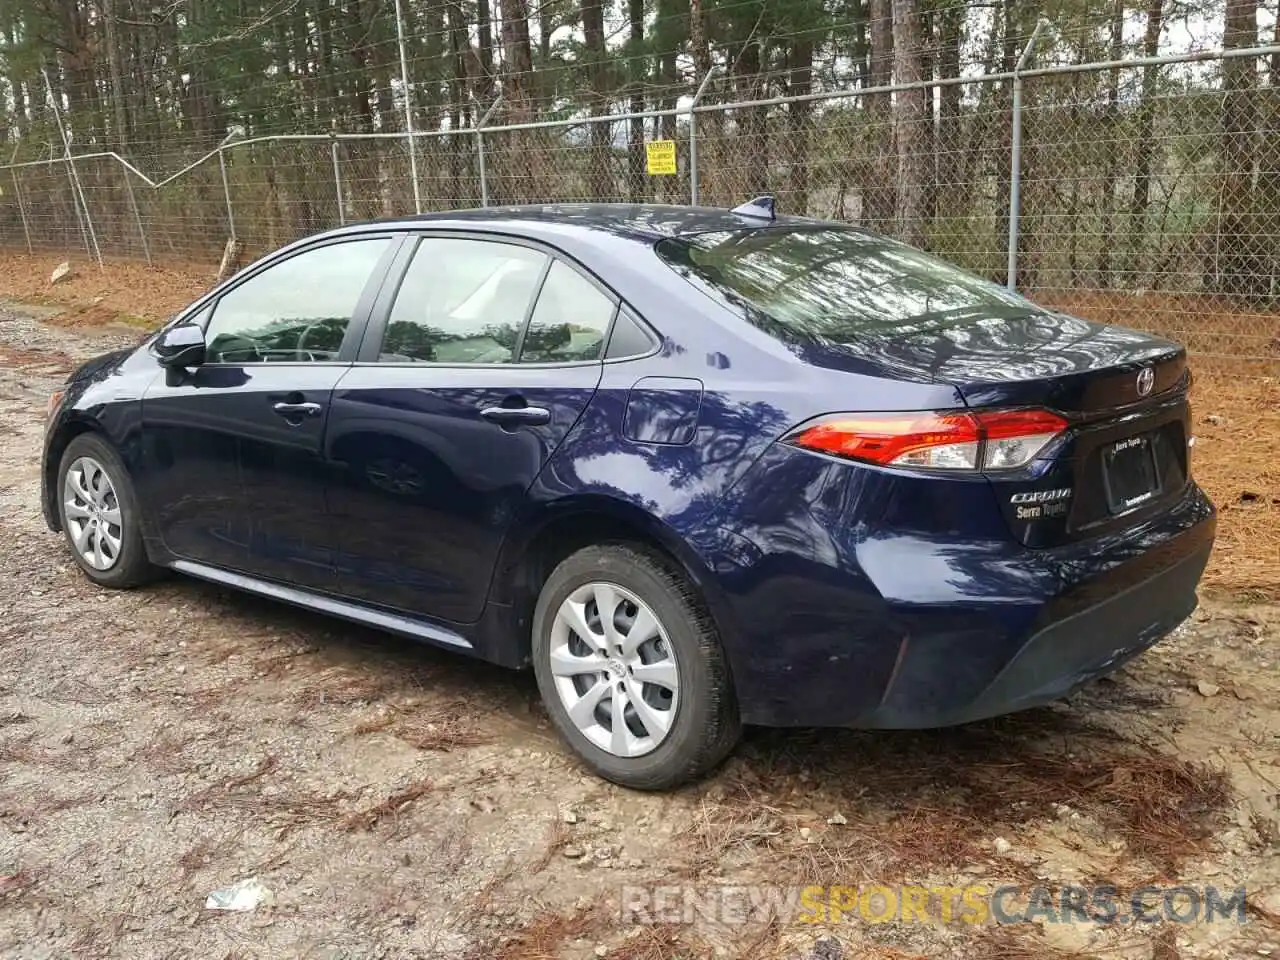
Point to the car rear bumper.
(1054, 660)
(901, 631)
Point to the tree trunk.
(16, 86)
(119, 111)
(518, 67)
(711, 146)
(484, 31)
(799, 120)
(458, 46)
(1002, 155)
(949, 144)
(599, 177)
(361, 102)
(881, 197)
(910, 119)
(1111, 152)
(1145, 144)
(518, 58)
(1237, 260)
(635, 145)
(755, 146)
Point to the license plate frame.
(1130, 473)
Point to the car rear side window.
(297, 310)
(834, 283)
(570, 321)
(462, 301)
(629, 337)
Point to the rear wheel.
(99, 514)
(631, 669)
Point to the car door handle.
(517, 416)
(297, 409)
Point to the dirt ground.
(402, 802)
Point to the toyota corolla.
(696, 468)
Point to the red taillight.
(889, 437)
(987, 440)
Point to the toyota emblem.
(1146, 380)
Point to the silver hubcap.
(92, 510)
(614, 669)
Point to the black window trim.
(380, 315)
(208, 305)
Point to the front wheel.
(99, 514)
(631, 670)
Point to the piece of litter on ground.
(1207, 689)
(245, 895)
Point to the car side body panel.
(844, 594)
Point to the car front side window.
(462, 301)
(297, 310)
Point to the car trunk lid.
(1124, 393)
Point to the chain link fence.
(1144, 193)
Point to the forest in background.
(1143, 178)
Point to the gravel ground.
(159, 744)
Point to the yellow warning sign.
(660, 157)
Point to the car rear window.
(833, 283)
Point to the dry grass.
(388, 809)
(1215, 330)
(1237, 460)
(341, 686)
(52, 361)
(28, 807)
(913, 804)
(207, 851)
(557, 840)
(669, 943)
(287, 810)
(1007, 943)
(545, 937)
(15, 885)
(442, 727)
(124, 290)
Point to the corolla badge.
(1041, 504)
(1146, 380)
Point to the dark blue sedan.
(698, 468)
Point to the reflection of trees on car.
(493, 343)
(287, 336)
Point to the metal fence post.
(408, 110)
(226, 191)
(1015, 158)
(77, 191)
(17, 193)
(137, 216)
(484, 175)
(693, 137)
(337, 182)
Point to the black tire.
(706, 725)
(131, 567)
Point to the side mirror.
(180, 346)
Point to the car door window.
(462, 301)
(628, 338)
(297, 310)
(570, 321)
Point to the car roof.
(645, 223)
